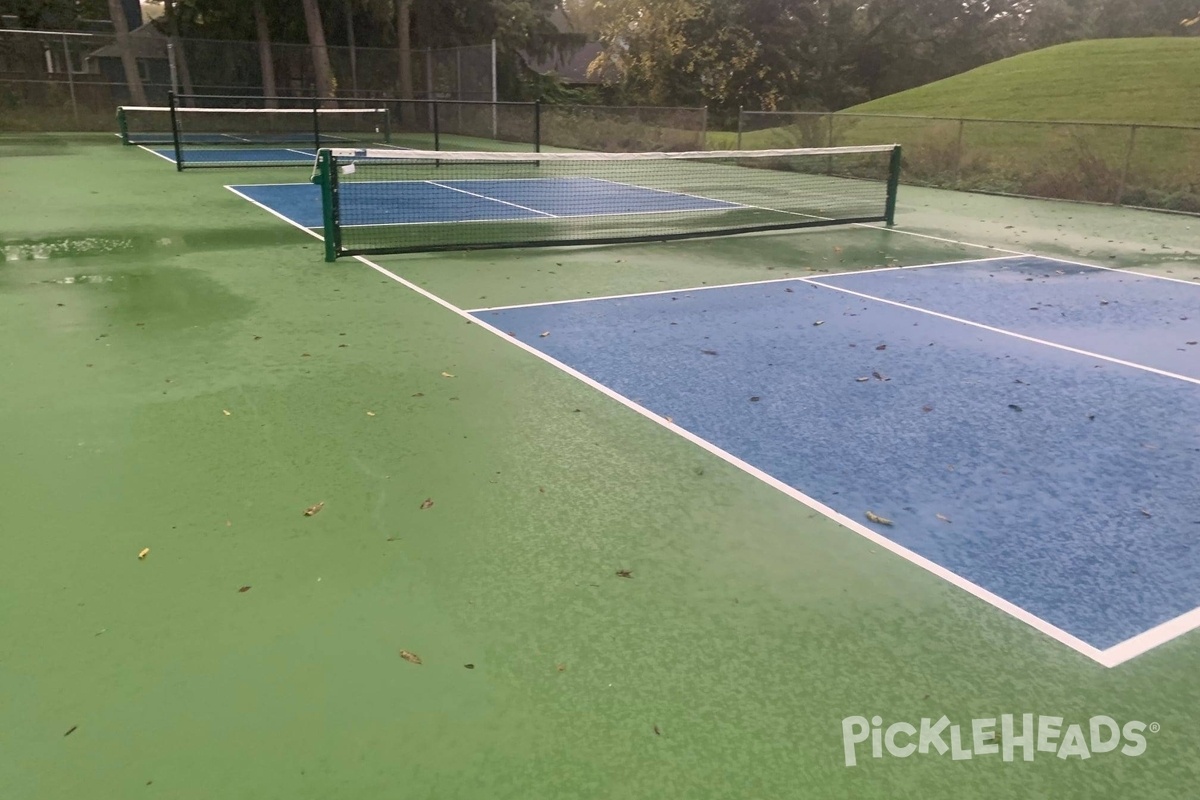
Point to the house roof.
(147, 41)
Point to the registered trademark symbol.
(1155, 727)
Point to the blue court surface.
(261, 155)
(1029, 425)
(425, 202)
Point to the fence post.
(704, 128)
(175, 135)
(537, 125)
(316, 109)
(70, 78)
(739, 134)
(958, 154)
(437, 135)
(829, 139)
(495, 94)
(1125, 169)
(173, 67)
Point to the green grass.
(1106, 80)
(1142, 81)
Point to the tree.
(404, 46)
(320, 53)
(128, 60)
(262, 29)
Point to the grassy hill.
(1142, 81)
(1112, 80)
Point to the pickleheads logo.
(1027, 733)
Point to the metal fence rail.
(1151, 166)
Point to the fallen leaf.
(469, 666)
(818, 323)
(878, 520)
(1145, 513)
(881, 347)
(927, 408)
(226, 412)
(1015, 407)
(789, 290)
(428, 503)
(561, 667)
(541, 489)
(411, 658)
(1191, 343)
(419, 394)
(942, 518)
(880, 376)
(624, 573)
(755, 399)
(709, 352)
(306, 355)
(243, 589)
(543, 334)
(312, 510)
(145, 551)
(657, 732)
(447, 375)
(71, 730)
(668, 419)
(370, 413)
(863, 379)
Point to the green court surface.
(183, 373)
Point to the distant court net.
(225, 137)
(382, 201)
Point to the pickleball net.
(388, 201)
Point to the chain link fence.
(617, 129)
(1151, 166)
(52, 80)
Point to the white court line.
(275, 213)
(1022, 253)
(1009, 608)
(493, 199)
(733, 285)
(993, 329)
(1148, 640)
(156, 153)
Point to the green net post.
(387, 125)
(893, 186)
(325, 176)
(123, 125)
(172, 103)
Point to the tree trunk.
(265, 60)
(185, 74)
(320, 53)
(136, 91)
(353, 48)
(404, 43)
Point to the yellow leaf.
(145, 552)
(878, 520)
(312, 510)
(447, 375)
